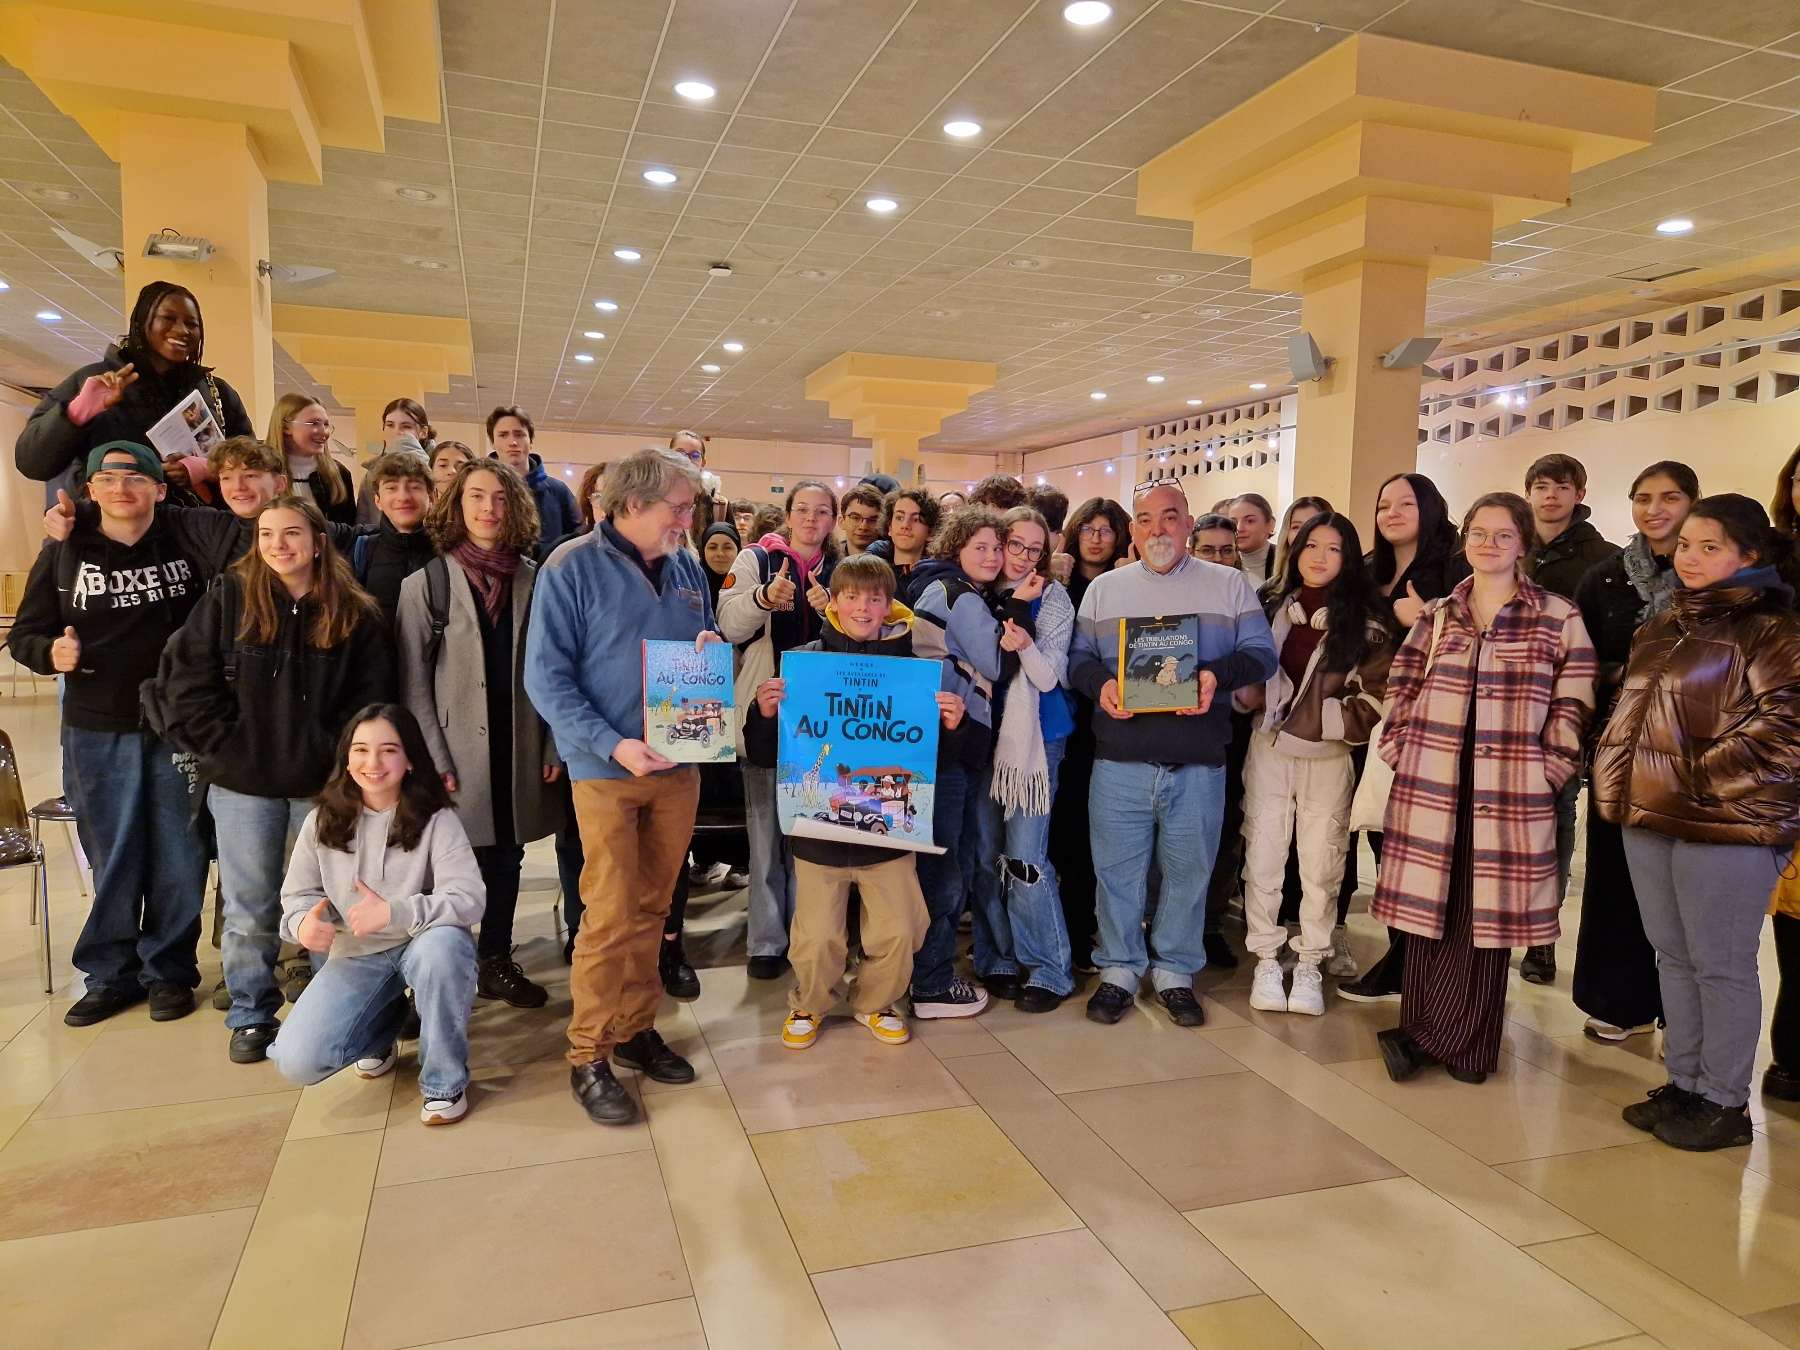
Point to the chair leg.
(42, 882)
(37, 849)
(75, 858)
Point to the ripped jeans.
(1019, 926)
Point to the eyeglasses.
(1096, 532)
(1500, 539)
(314, 425)
(1019, 549)
(113, 478)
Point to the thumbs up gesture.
(316, 929)
(59, 520)
(1408, 607)
(780, 591)
(816, 595)
(65, 652)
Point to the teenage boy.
(96, 610)
(403, 489)
(1159, 778)
(1255, 521)
(1567, 546)
(510, 434)
(862, 618)
(859, 517)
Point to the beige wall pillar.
(897, 400)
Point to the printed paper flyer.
(858, 757)
(688, 701)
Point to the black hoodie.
(123, 600)
(272, 730)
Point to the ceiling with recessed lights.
(1004, 138)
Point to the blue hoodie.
(558, 513)
(591, 609)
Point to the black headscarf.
(715, 580)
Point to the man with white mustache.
(1159, 778)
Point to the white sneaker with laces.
(1597, 1030)
(439, 1111)
(1342, 964)
(888, 1026)
(378, 1067)
(1308, 993)
(1267, 993)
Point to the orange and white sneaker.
(799, 1031)
(889, 1027)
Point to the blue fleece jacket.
(591, 609)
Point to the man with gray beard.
(1159, 778)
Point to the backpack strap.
(68, 569)
(437, 608)
(229, 620)
(359, 557)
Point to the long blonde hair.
(287, 408)
(341, 603)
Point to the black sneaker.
(299, 975)
(1662, 1102)
(646, 1053)
(99, 1004)
(1476, 1076)
(1109, 1003)
(1033, 999)
(502, 978)
(602, 1096)
(766, 967)
(221, 997)
(169, 1001)
(1401, 1055)
(1538, 965)
(1781, 1084)
(961, 999)
(1702, 1126)
(1219, 953)
(678, 977)
(1183, 1008)
(1366, 990)
(250, 1045)
(1001, 988)
(409, 1020)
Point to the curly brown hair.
(1110, 511)
(929, 510)
(520, 531)
(962, 525)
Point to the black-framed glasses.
(1019, 549)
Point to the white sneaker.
(378, 1067)
(1267, 993)
(888, 1026)
(1341, 965)
(1308, 995)
(1596, 1030)
(438, 1111)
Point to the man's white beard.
(1160, 552)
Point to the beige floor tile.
(517, 1118)
(734, 1007)
(1164, 1253)
(1072, 1054)
(1775, 1152)
(1663, 1306)
(1546, 1009)
(158, 1065)
(1780, 1325)
(674, 1325)
(149, 1286)
(342, 1104)
(874, 1190)
(550, 1249)
(500, 1035)
(997, 1297)
(1620, 1074)
(750, 1286)
(1219, 1140)
(156, 1162)
(1387, 1265)
(1509, 1209)
(1522, 1111)
(293, 1283)
(845, 1075)
(954, 1037)
(1347, 1031)
(1254, 1323)
(1707, 1219)
(35, 1060)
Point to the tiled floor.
(1015, 1181)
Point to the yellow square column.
(896, 401)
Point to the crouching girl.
(382, 877)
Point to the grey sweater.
(437, 884)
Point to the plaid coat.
(1534, 686)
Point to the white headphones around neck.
(1296, 615)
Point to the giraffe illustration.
(809, 781)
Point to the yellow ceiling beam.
(896, 401)
(367, 355)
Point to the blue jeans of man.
(982, 838)
(771, 867)
(134, 796)
(353, 1008)
(941, 879)
(1025, 920)
(1175, 811)
(254, 836)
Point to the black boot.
(1538, 965)
(678, 977)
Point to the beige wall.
(21, 499)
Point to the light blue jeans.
(1020, 916)
(771, 867)
(254, 835)
(1175, 809)
(353, 1008)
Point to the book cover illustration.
(1159, 663)
(688, 702)
(858, 748)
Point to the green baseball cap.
(143, 454)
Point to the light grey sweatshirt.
(437, 884)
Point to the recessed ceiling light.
(661, 177)
(1259, 385)
(605, 306)
(710, 370)
(1506, 274)
(1646, 290)
(1153, 379)
(429, 264)
(937, 313)
(811, 274)
(1065, 323)
(594, 333)
(731, 346)
(1097, 395)
(48, 316)
(1675, 226)
(1195, 402)
(761, 318)
(1087, 13)
(413, 194)
(1023, 264)
(5, 285)
(627, 254)
(882, 204)
(51, 194)
(1209, 313)
(962, 128)
(584, 358)
(1170, 278)
(698, 90)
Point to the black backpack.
(151, 703)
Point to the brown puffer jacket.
(1704, 742)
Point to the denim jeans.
(500, 866)
(353, 1008)
(982, 842)
(771, 867)
(1029, 915)
(134, 797)
(1174, 810)
(254, 836)
(941, 879)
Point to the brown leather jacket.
(1330, 713)
(1704, 742)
